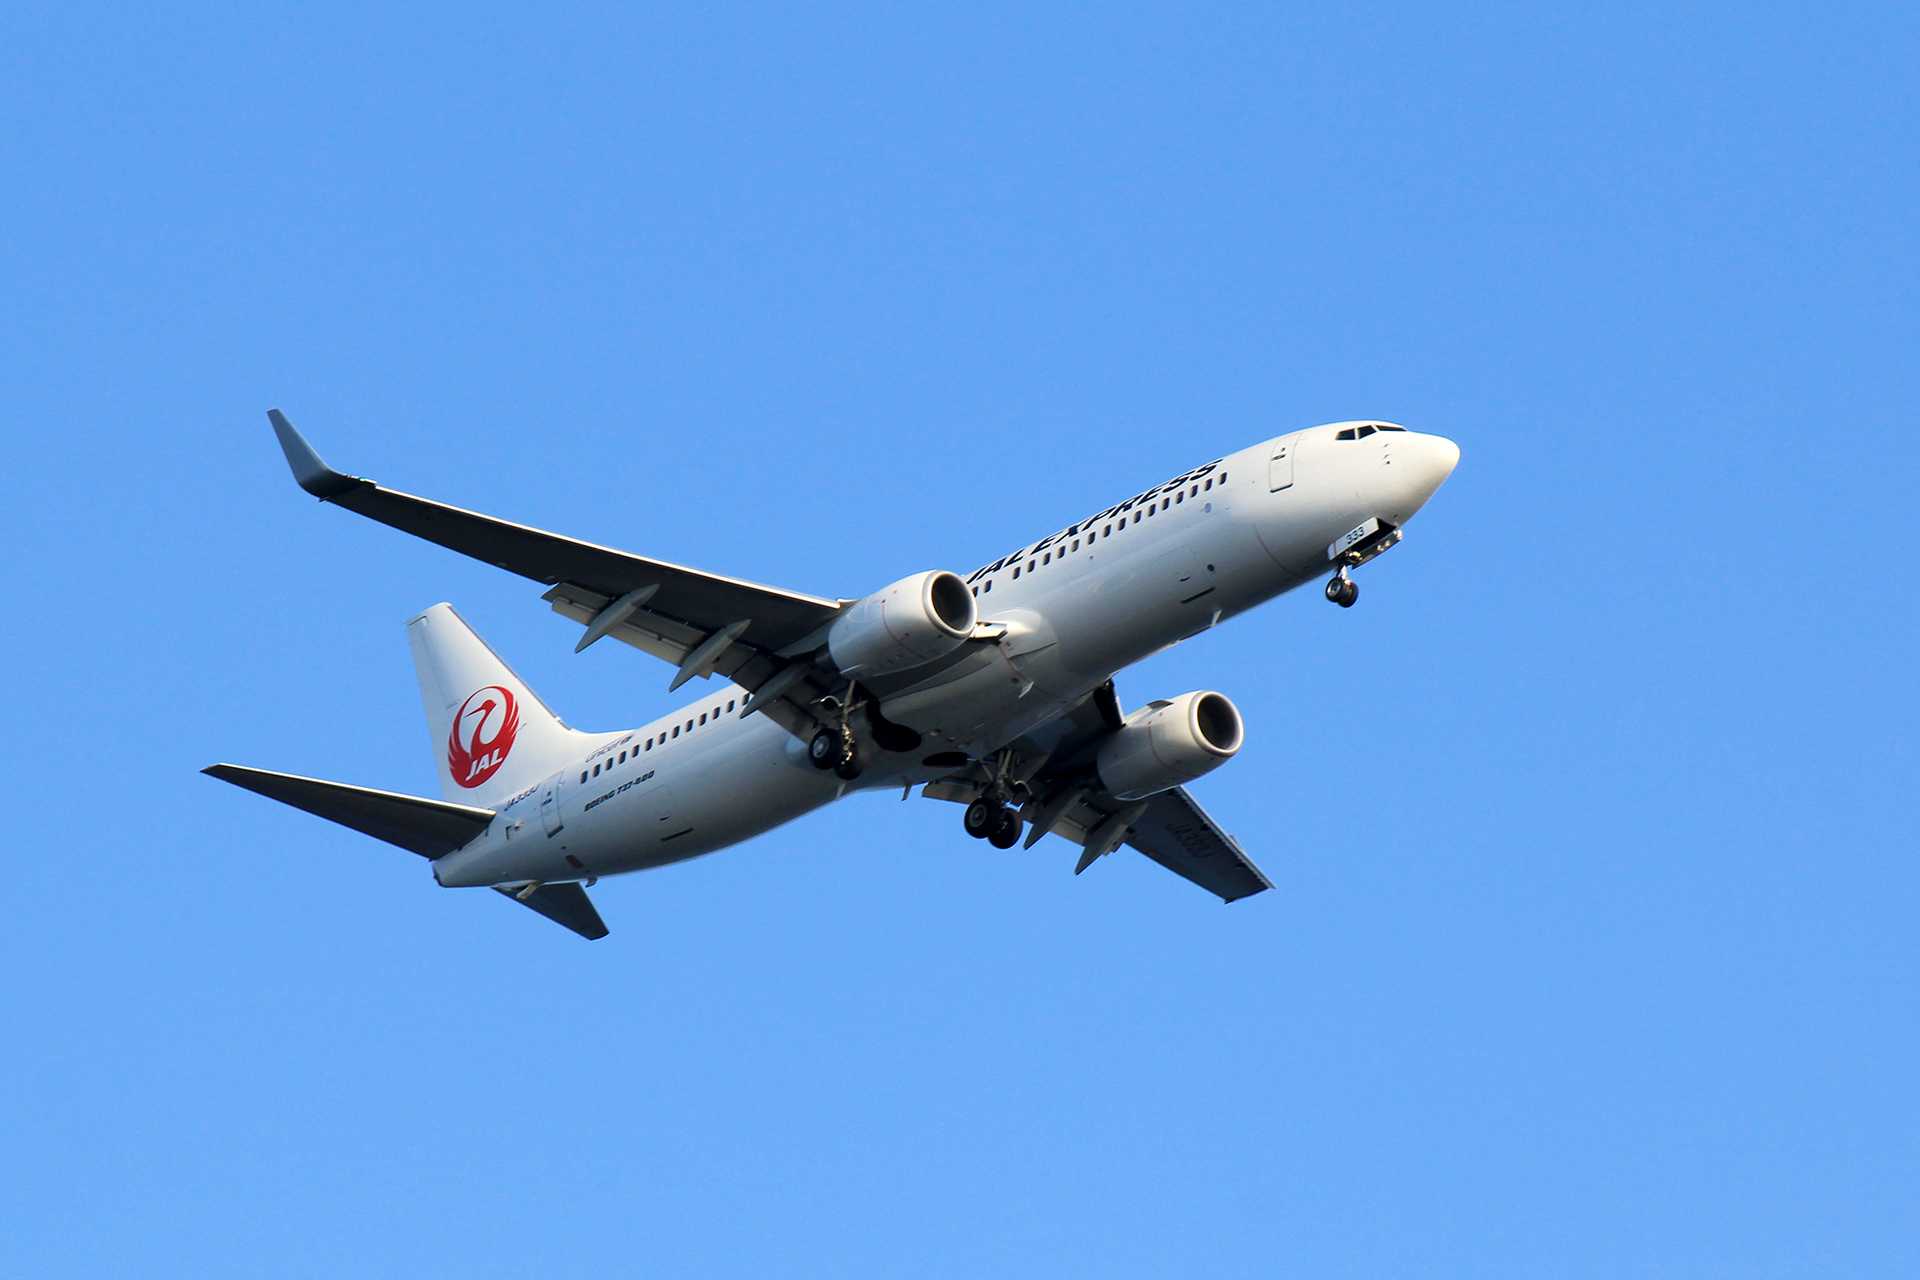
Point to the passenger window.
(1194, 492)
(1076, 544)
(596, 771)
(622, 759)
(703, 717)
(1136, 517)
(676, 731)
(1016, 571)
(1164, 503)
(583, 777)
(1151, 510)
(1030, 566)
(1208, 485)
(730, 704)
(649, 745)
(1223, 477)
(1180, 497)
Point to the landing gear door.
(1280, 469)
(550, 804)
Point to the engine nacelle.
(1164, 744)
(913, 621)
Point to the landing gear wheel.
(832, 750)
(1343, 591)
(982, 819)
(853, 760)
(1006, 833)
(824, 751)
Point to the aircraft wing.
(1169, 827)
(1177, 833)
(683, 610)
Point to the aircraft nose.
(1433, 460)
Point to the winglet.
(313, 475)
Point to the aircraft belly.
(984, 693)
(1079, 634)
(1138, 606)
(709, 800)
(689, 803)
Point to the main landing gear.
(1343, 590)
(991, 817)
(993, 822)
(838, 750)
(835, 747)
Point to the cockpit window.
(1385, 427)
(1345, 435)
(1364, 432)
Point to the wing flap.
(672, 642)
(1177, 833)
(703, 601)
(695, 601)
(430, 828)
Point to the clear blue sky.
(1592, 951)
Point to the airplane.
(993, 691)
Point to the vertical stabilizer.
(492, 736)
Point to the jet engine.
(913, 621)
(1164, 744)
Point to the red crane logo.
(483, 732)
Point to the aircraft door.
(550, 804)
(1280, 469)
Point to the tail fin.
(492, 735)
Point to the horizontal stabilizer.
(566, 904)
(429, 828)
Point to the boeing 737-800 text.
(994, 691)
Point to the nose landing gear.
(1354, 548)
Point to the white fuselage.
(1076, 608)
